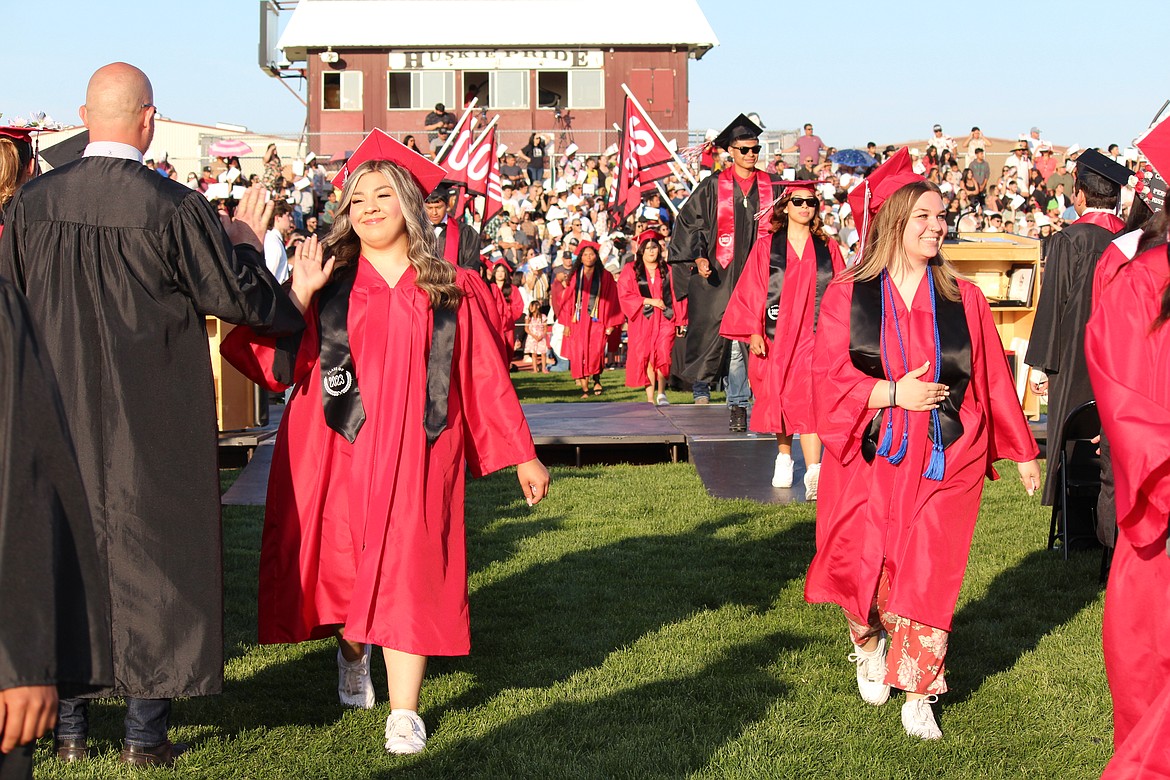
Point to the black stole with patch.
(865, 351)
(644, 289)
(340, 395)
(778, 264)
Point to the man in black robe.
(713, 236)
(120, 267)
(437, 205)
(1056, 349)
(54, 611)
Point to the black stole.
(594, 293)
(644, 289)
(341, 398)
(865, 351)
(778, 264)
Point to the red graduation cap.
(1155, 145)
(889, 177)
(380, 146)
(647, 235)
(22, 134)
(581, 247)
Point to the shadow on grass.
(667, 728)
(570, 614)
(1022, 605)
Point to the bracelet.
(893, 393)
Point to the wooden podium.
(235, 395)
(1006, 267)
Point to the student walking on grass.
(589, 310)
(647, 301)
(774, 311)
(363, 529)
(915, 402)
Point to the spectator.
(439, 119)
(808, 147)
(281, 227)
(329, 210)
(510, 171)
(534, 158)
(976, 140)
(981, 170)
(938, 141)
(1034, 141)
(271, 167)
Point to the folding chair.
(1078, 469)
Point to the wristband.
(893, 393)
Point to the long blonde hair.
(883, 246)
(13, 168)
(434, 275)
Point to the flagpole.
(666, 198)
(658, 133)
(455, 132)
(490, 125)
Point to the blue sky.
(856, 72)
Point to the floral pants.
(915, 653)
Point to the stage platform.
(731, 465)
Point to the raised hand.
(311, 271)
(253, 213)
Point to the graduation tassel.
(937, 466)
(896, 458)
(887, 437)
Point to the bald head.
(119, 106)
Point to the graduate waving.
(363, 530)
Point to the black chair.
(1078, 469)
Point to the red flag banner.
(458, 156)
(643, 159)
(494, 196)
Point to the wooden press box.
(235, 395)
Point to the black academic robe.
(707, 353)
(120, 266)
(1057, 345)
(469, 245)
(54, 607)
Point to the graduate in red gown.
(590, 311)
(774, 310)
(648, 303)
(510, 307)
(914, 403)
(1127, 349)
(363, 528)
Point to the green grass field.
(633, 627)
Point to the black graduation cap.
(440, 194)
(1094, 161)
(741, 127)
(66, 151)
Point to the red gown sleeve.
(517, 305)
(744, 316)
(1008, 434)
(495, 430)
(629, 296)
(841, 402)
(1126, 364)
(1107, 267)
(256, 357)
(835, 256)
(613, 317)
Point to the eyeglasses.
(747, 149)
(812, 203)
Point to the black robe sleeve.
(54, 607)
(232, 284)
(469, 246)
(693, 227)
(1047, 340)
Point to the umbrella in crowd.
(229, 147)
(853, 158)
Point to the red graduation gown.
(649, 339)
(370, 535)
(584, 346)
(868, 513)
(782, 380)
(507, 313)
(1130, 370)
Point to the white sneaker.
(405, 733)
(811, 477)
(871, 674)
(918, 718)
(662, 400)
(782, 476)
(354, 686)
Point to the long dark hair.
(507, 288)
(1153, 236)
(780, 214)
(640, 263)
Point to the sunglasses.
(812, 203)
(748, 149)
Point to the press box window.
(342, 91)
(569, 89)
(497, 88)
(420, 89)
